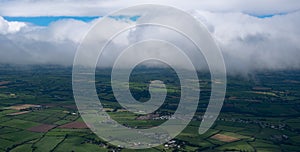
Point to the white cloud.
(248, 43)
(10, 27)
(55, 44)
(102, 7)
(251, 43)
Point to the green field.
(262, 120)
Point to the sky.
(252, 34)
(47, 20)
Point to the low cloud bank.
(248, 43)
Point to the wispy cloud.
(102, 7)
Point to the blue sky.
(266, 15)
(44, 12)
(46, 20)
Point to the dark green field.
(260, 113)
